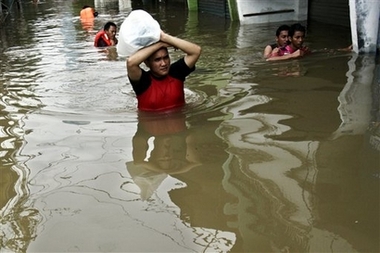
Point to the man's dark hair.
(282, 28)
(150, 56)
(296, 28)
(108, 25)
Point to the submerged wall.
(258, 11)
(361, 15)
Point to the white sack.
(138, 30)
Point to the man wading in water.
(162, 87)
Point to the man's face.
(282, 39)
(159, 63)
(111, 32)
(297, 40)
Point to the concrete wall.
(365, 17)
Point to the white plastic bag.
(138, 30)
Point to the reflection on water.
(266, 157)
(161, 147)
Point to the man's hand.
(275, 51)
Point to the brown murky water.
(266, 157)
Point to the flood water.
(265, 157)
